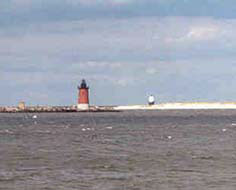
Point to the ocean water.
(133, 150)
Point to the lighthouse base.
(83, 107)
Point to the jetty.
(73, 108)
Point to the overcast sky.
(177, 50)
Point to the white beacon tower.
(151, 100)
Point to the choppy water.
(118, 151)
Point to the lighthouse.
(83, 96)
(151, 100)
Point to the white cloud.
(143, 36)
(203, 32)
(118, 52)
(151, 71)
(96, 64)
(125, 81)
(20, 3)
(120, 2)
(93, 43)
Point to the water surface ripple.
(133, 150)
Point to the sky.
(176, 50)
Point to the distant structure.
(21, 105)
(151, 100)
(83, 97)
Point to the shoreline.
(55, 109)
(182, 106)
(161, 106)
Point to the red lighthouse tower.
(83, 98)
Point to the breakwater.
(38, 109)
(162, 106)
(14, 109)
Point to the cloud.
(197, 34)
(124, 82)
(100, 2)
(151, 71)
(101, 42)
(158, 55)
(16, 12)
(175, 49)
(203, 33)
(136, 38)
(72, 2)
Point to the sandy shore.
(179, 106)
